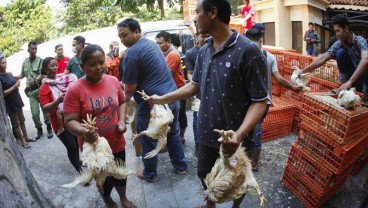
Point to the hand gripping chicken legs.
(230, 178)
(99, 160)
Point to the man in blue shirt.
(190, 59)
(312, 39)
(230, 74)
(351, 54)
(74, 63)
(145, 69)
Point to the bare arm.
(188, 90)
(254, 115)
(49, 107)
(283, 82)
(122, 109)
(319, 61)
(362, 67)
(190, 75)
(12, 89)
(130, 90)
(66, 72)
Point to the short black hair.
(58, 45)
(254, 34)
(130, 23)
(88, 50)
(223, 8)
(80, 39)
(165, 35)
(32, 43)
(45, 63)
(340, 20)
(310, 23)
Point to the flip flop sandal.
(25, 146)
(31, 140)
(131, 205)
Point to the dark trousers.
(346, 69)
(207, 157)
(71, 144)
(183, 123)
(110, 181)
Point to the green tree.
(22, 21)
(82, 15)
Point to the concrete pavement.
(50, 166)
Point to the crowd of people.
(229, 79)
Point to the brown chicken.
(232, 177)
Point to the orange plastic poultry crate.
(341, 125)
(315, 174)
(310, 198)
(278, 121)
(329, 71)
(333, 156)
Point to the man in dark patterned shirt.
(351, 54)
(230, 73)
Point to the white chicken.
(348, 99)
(99, 161)
(300, 79)
(158, 127)
(230, 178)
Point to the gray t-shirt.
(271, 68)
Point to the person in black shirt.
(230, 74)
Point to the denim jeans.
(310, 51)
(346, 69)
(257, 136)
(195, 118)
(174, 146)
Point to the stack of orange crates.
(278, 121)
(331, 141)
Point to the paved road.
(48, 163)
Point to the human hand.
(60, 99)
(230, 146)
(31, 82)
(121, 126)
(16, 85)
(346, 86)
(90, 136)
(297, 88)
(153, 99)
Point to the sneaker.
(140, 175)
(39, 134)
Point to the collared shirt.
(74, 66)
(31, 68)
(354, 49)
(230, 79)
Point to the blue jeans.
(346, 69)
(195, 130)
(257, 136)
(310, 51)
(174, 146)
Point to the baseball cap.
(259, 26)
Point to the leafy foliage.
(23, 21)
(82, 15)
